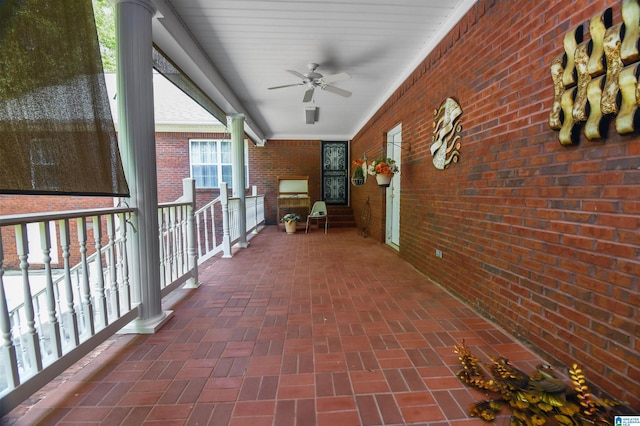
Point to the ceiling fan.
(314, 80)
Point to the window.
(211, 162)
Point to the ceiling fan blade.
(297, 74)
(308, 95)
(342, 76)
(336, 90)
(286, 85)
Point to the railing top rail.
(209, 204)
(247, 197)
(173, 204)
(70, 214)
(219, 199)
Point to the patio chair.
(318, 212)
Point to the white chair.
(318, 212)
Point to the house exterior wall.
(284, 158)
(266, 163)
(541, 238)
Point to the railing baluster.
(163, 256)
(184, 244)
(179, 233)
(70, 317)
(114, 300)
(167, 242)
(42, 335)
(9, 358)
(53, 324)
(126, 286)
(101, 300)
(59, 310)
(18, 337)
(32, 347)
(206, 228)
(178, 241)
(173, 257)
(198, 239)
(214, 231)
(85, 288)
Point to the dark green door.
(334, 172)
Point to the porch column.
(236, 122)
(136, 135)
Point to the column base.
(149, 326)
(191, 283)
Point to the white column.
(136, 135)
(237, 166)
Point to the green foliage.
(290, 217)
(43, 44)
(106, 27)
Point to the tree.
(105, 25)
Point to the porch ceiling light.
(311, 114)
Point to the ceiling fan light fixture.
(311, 114)
(314, 80)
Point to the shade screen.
(56, 131)
(171, 72)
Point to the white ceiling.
(236, 49)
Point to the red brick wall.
(542, 239)
(284, 158)
(276, 158)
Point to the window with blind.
(210, 162)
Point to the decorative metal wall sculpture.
(596, 80)
(446, 129)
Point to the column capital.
(147, 4)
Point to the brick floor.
(296, 329)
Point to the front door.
(334, 172)
(394, 141)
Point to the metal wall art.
(446, 134)
(596, 80)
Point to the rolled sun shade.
(56, 131)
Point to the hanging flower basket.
(358, 178)
(383, 169)
(384, 180)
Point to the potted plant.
(383, 169)
(290, 221)
(358, 177)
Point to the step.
(340, 217)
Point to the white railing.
(218, 222)
(177, 249)
(53, 313)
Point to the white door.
(394, 140)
